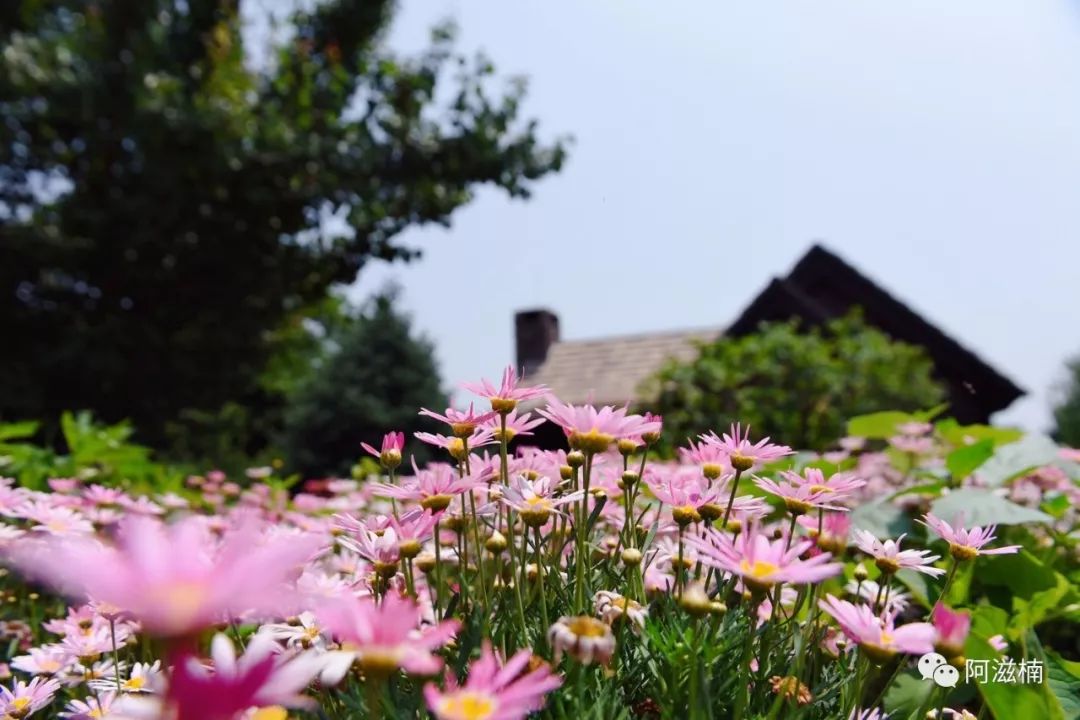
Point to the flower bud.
(631, 557)
(566, 472)
(860, 574)
(575, 458)
(629, 479)
(425, 563)
(695, 600)
(683, 515)
(495, 543)
(626, 447)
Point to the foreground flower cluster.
(731, 582)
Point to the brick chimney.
(535, 331)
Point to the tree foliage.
(793, 383)
(370, 379)
(1067, 411)
(166, 203)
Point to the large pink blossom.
(878, 636)
(742, 453)
(493, 690)
(386, 637)
(967, 543)
(761, 562)
(594, 430)
(175, 579)
(890, 558)
(508, 394)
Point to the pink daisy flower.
(455, 445)
(175, 579)
(384, 637)
(710, 459)
(841, 485)
(515, 425)
(434, 487)
(890, 558)
(683, 495)
(493, 690)
(966, 544)
(25, 699)
(462, 422)
(834, 528)
(799, 499)
(743, 454)
(535, 500)
(508, 394)
(877, 636)
(592, 430)
(760, 562)
(951, 630)
(390, 453)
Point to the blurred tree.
(799, 386)
(372, 376)
(167, 203)
(1067, 411)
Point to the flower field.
(919, 569)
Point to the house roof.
(609, 371)
(820, 286)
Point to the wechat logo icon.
(933, 666)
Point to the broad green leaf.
(18, 430)
(907, 693)
(930, 414)
(1038, 592)
(882, 518)
(983, 507)
(1063, 678)
(918, 585)
(957, 434)
(1056, 506)
(879, 425)
(1011, 700)
(1016, 458)
(965, 459)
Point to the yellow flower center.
(538, 502)
(585, 626)
(183, 599)
(20, 703)
(821, 489)
(760, 569)
(467, 705)
(134, 684)
(274, 712)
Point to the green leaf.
(1019, 457)
(964, 460)
(1011, 700)
(918, 585)
(957, 434)
(18, 430)
(1056, 506)
(1063, 678)
(1038, 592)
(907, 693)
(879, 425)
(983, 507)
(882, 518)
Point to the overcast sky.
(935, 146)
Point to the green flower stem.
(731, 499)
(540, 580)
